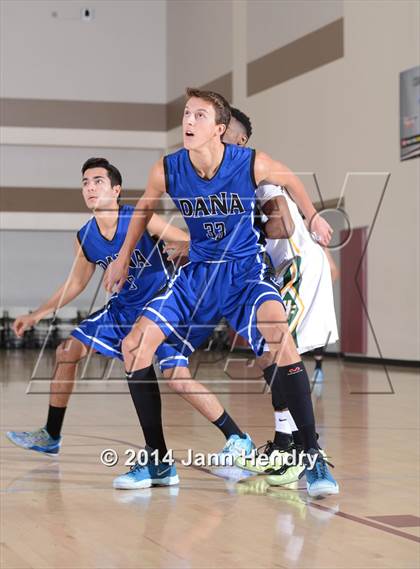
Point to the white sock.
(281, 422)
(290, 420)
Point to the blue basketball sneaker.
(40, 441)
(317, 382)
(161, 474)
(234, 448)
(319, 481)
(318, 376)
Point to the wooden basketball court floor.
(64, 513)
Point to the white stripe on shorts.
(93, 339)
(253, 308)
(171, 328)
(172, 358)
(97, 317)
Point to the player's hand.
(321, 230)
(116, 275)
(176, 249)
(23, 323)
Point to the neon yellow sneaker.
(290, 473)
(286, 475)
(267, 458)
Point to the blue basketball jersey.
(148, 270)
(219, 212)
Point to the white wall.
(118, 56)
(60, 167)
(199, 43)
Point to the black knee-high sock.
(278, 399)
(228, 426)
(145, 393)
(55, 421)
(279, 403)
(292, 382)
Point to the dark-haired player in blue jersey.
(213, 185)
(98, 243)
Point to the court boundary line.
(367, 522)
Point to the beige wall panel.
(34, 113)
(274, 23)
(303, 55)
(57, 200)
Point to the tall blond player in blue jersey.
(213, 185)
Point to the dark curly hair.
(243, 119)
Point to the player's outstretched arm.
(117, 271)
(271, 171)
(81, 273)
(177, 241)
(280, 223)
(162, 229)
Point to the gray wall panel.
(34, 264)
(199, 46)
(59, 167)
(120, 55)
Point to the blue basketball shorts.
(200, 293)
(105, 329)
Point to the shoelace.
(321, 466)
(321, 469)
(39, 436)
(268, 447)
(135, 467)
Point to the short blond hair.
(220, 104)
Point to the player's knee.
(127, 345)
(70, 351)
(178, 385)
(172, 384)
(276, 335)
(130, 346)
(264, 361)
(175, 380)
